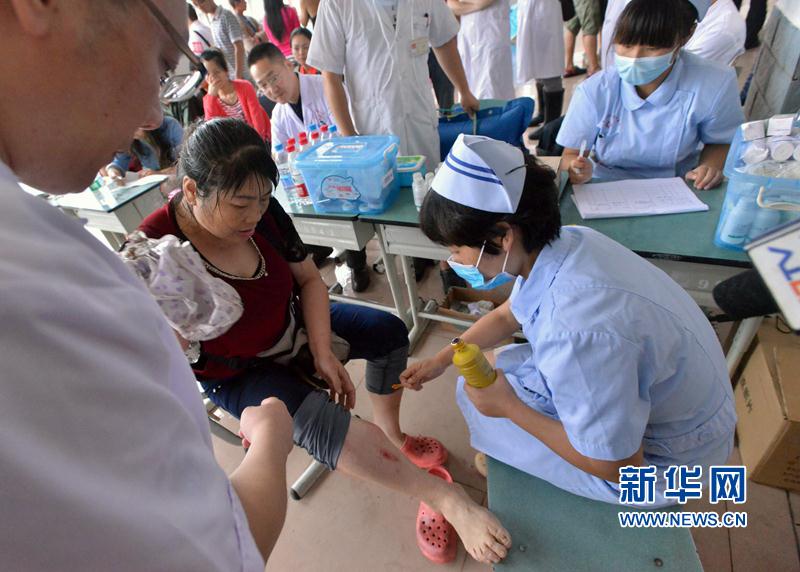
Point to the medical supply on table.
(763, 184)
(333, 131)
(407, 166)
(351, 174)
(298, 183)
(102, 193)
(753, 130)
(472, 364)
(780, 125)
(780, 148)
(285, 173)
(323, 133)
(315, 138)
(196, 304)
(420, 189)
(302, 142)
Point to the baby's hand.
(580, 170)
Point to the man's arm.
(260, 480)
(238, 48)
(337, 102)
(448, 58)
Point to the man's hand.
(269, 422)
(470, 103)
(335, 375)
(422, 372)
(496, 400)
(705, 177)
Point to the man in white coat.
(540, 56)
(720, 36)
(379, 50)
(484, 43)
(299, 103)
(299, 98)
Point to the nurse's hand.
(705, 177)
(496, 400)
(422, 371)
(335, 375)
(580, 170)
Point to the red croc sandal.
(424, 452)
(436, 538)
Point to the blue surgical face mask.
(473, 276)
(640, 71)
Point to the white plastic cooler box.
(351, 174)
(755, 203)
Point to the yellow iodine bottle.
(472, 364)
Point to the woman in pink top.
(231, 98)
(279, 21)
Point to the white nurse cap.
(482, 173)
(702, 7)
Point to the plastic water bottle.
(315, 138)
(298, 183)
(419, 188)
(101, 193)
(285, 172)
(736, 227)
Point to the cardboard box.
(768, 405)
(466, 295)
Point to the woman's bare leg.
(386, 414)
(369, 455)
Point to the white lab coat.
(285, 122)
(386, 77)
(720, 35)
(613, 11)
(540, 40)
(484, 44)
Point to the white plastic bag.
(196, 304)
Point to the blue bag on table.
(498, 119)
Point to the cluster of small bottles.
(285, 154)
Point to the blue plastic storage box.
(407, 166)
(351, 174)
(753, 204)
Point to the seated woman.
(155, 151)
(232, 98)
(622, 367)
(225, 211)
(651, 115)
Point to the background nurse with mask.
(650, 115)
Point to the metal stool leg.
(307, 480)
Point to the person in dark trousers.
(756, 16)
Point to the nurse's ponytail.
(656, 23)
(537, 218)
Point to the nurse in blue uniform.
(660, 111)
(622, 367)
